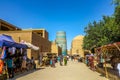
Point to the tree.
(101, 33)
(105, 31)
(116, 2)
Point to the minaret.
(61, 41)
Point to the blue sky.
(70, 16)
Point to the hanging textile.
(3, 55)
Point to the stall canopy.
(7, 41)
(31, 46)
(110, 47)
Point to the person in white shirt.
(118, 67)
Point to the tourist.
(9, 62)
(33, 63)
(53, 62)
(65, 60)
(24, 63)
(18, 63)
(91, 60)
(72, 58)
(40, 60)
(87, 60)
(58, 58)
(61, 60)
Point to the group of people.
(13, 63)
(90, 62)
(51, 61)
(61, 59)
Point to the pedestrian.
(23, 67)
(65, 60)
(61, 60)
(58, 59)
(40, 60)
(87, 60)
(71, 58)
(33, 63)
(51, 62)
(91, 59)
(118, 67)
(9, 62)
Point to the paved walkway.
(73, 71)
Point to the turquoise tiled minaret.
(61, 41)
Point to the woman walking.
(65, 60)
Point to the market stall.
(31, 46)
(8, 51)
(7, 41)
(108, 54)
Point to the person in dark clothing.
(33, 63)
(9, 62)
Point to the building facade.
(55, 48)
(76, 46)
(37, 37)
(42, 32)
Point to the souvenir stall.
(8, 49)
(108, 54)
(31, 46)
(36, 48)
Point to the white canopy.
(31, 46)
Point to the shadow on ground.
(112, 73)
(25, 73)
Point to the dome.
(79, 37)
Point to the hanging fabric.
(3, 55)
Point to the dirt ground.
(73, 71)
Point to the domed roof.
(79, 37)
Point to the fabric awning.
(31, 46)
(7, 41)
(110, 47)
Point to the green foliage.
(116, 2)
(117, 15)
(103, 32)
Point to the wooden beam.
(10, 28)
(9, 25)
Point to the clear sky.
(70, 16)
